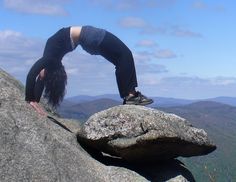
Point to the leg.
(115, 51)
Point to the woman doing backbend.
(49, 73)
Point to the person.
(48, 73)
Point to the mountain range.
(82, 110)
(158, 101)
(83, 106)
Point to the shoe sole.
(139, 103)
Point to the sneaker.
(137, 99)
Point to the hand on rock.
(38, 108)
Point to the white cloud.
(14, 45)
(190, 87)
(142, 57)
(72, 71)
(152, 30)
(128, 4)
(9, 33)
(132, 5)
(164, 54)
(150, 68)
(201, 5)
(152, 54)
(176, 30)
(132, 22)
(161, 3)
(223, 81)
(147, 43)
(18, 52)
(147, 28)
(44, 7)
(183, 32)
(12, 40)
(149, 79)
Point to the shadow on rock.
(156, 171)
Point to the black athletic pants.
(115, 51)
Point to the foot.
(137, 99)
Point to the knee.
(128, 58)
(128, 53)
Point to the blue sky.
(182, 48)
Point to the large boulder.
(141, 134)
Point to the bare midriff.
(75, 33)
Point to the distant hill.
(80, 99)
(219, 121)
(66, 103)
(83, 110)
(158, 101)
(170, 102)
(86, 98)
(225, 100)
(207, 114)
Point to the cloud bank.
(132, 5)
(147, 28)
(42, 7)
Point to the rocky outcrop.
(141, 134)
(36, 148)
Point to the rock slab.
(141, 134)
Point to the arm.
(31, 78)
(30, 95)
(39, 86)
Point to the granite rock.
(141, 134)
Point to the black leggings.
(115, 51)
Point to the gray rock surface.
(33, 148)
(141, 134)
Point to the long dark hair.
(55, 84)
